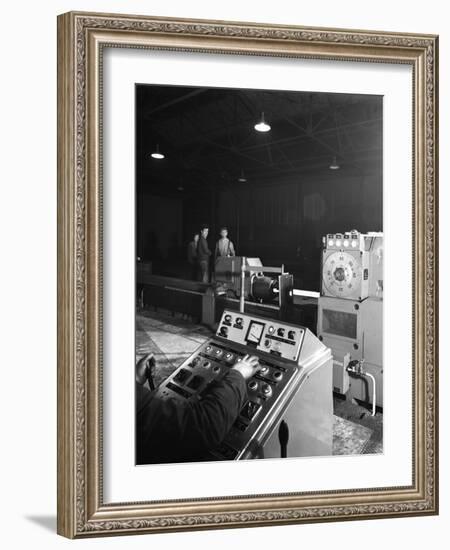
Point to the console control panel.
(266, 335)
(277, 346)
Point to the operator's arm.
(175, 430)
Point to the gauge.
(254, 333)
(341, 272)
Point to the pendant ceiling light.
(157, 153)
(334, 165)
(262, 125)
(242, 178)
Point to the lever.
(283, 437)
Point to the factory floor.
(172, 338)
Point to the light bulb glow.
(157, 153)
(346, 244)
(338, 242)
(330, 243)
(262, 127)
(354, 244)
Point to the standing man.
(224, 247)
(192, 256)
(203, 254)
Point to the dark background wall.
(282, 223)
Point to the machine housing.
(261, 284)
(350, 312)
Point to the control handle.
(283, 437)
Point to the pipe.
(360, 372)
(374, 396)
(242, 296)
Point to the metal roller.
(264, 288)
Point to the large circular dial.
(341, 274)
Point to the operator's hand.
(144, 367)
(248, 367)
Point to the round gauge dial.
(341, 274)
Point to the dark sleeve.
(204, 248)
(204, 423)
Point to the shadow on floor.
(46, 522)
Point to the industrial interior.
(295, 178)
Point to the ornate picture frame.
(81, 39)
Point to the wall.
(159, 227)
(283, 223)
(28, 275)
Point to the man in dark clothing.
(203, 254)
(192, 256)
(169, 430)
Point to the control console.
(279, 348)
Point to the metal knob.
(252, 385)
(266, 389)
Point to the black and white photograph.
(259, 274)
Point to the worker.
(192, 256)
(173, 430)
(224, 247)
(203, 255)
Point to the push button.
(266, 389)
(253, 385)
